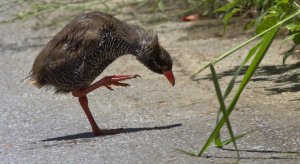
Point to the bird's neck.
(138, 39)
(127, 39)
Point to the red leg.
(96, 130)
(106, 81)
(85, 106)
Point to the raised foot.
(107, 82)
(122, 77)
(114, 80)
(104, 132)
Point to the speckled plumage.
(87, 45)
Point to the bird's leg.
(106, 81)
(85, 106)
(83, 100)
(96, 130)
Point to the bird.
(72, 60)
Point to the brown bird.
(74, 58)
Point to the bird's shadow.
(125, 130)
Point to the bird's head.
(157, 59)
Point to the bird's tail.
(35, 83)
(32, 81)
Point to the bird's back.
(82, 50)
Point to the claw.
(123, 77)
(106, 81)
(121, 84)
(109, 87)
(116, 83)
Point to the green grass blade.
(218, 142)
(228, 141)
(226, 54)
(296, 4)
(232, 81)
(160, 5)
(187, 153)
(288, 53)
(222, 106)
(265, 44)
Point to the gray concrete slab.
(37, 126)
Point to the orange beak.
(169, 75)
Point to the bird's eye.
(164, 67)
(160, 65)
(155, 63)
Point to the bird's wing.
(72, 41)
(81, 36)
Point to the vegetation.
(268, 17)
(272, 16)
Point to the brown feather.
(85, 47)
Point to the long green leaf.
(223, 108)
(265, 44)
(288, 53)
(228, 141)
(266, 24)
(160, 5)
(218, 142)
(187, 153)
(232, 81)
(226, 54)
